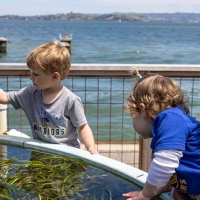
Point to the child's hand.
(93, 150)
(135, 196)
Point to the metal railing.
(103, 89)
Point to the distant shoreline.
(120, 17)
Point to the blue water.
(96, 184)
(108, 42)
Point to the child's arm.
(87, 138)
(162, 168)
(3, 97)
(148, 192)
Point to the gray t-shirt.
(55, 122)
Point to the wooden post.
(3, 44)
(145, 154)
(66, 41)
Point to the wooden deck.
(126, 153)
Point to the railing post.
(145, 154)
(3, 128)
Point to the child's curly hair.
(157, 93)
(51, 57)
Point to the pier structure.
(3, 44)
(66, 41)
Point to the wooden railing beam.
(110, 70)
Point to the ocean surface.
(107, 42)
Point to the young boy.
(160, 112)
(54, 112)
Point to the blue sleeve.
(169, 131)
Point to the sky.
(44, 7)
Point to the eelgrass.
(53, 177)
(43, 177)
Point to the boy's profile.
(55, 114)
(160, 111)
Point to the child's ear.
(56, 76)
(142, 107)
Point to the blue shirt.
(174, 129)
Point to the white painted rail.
(128, 172)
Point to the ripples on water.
(108, 42)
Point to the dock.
(66, 41)
(127, 153)
(3, 44)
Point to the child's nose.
(31, 77)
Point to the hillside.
(132, 17)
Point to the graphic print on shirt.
(44, 128)
(175, 182)
(178, 183)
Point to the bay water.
(109, 43)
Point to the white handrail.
(134, 175)
(3, 118)
(3, 128)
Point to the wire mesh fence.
(103, 98)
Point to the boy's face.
(40, 79)
(142, 126)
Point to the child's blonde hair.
(51, 57)
(157, 93)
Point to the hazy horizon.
(101, 13)
(53, 7)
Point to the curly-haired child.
(160, 111)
